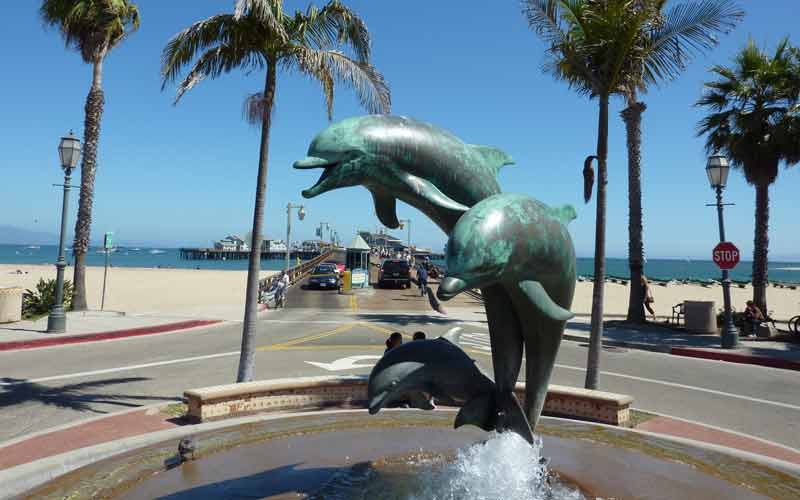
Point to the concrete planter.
(10, 304)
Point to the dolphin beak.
(311, 162)
(377, 402)
(450, 287)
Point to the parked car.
(324, 276)
(395, 272)
(339, 267)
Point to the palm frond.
(329, 65)
(688, 29)
(93, 27)
(269, 13)
(218, 60)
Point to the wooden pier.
(214, 254)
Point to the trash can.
(700, 316)
(10, 304)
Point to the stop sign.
(726, 255)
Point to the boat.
(156, 251)
(34, 247)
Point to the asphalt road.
(43, 388)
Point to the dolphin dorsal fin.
(565, 213)
(495, 157)
(452, 335)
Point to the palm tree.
(260, 35)
(666, 44)
(754, 120)
(591, 46)
(93, 27)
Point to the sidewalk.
(653, 337)
(91, 326)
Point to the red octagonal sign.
(726, 255)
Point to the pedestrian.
(647, 297)
(754, 317)
(394, 340)
(419, 335)
(422, 280)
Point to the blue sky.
(185, 175)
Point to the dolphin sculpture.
(396, 157)
(423, 369)
(519, 252)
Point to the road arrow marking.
(347, 363)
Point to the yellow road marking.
(294, 343)
(353, 303)
(309, 338)
(323, 347)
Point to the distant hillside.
(12, 235)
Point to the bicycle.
(794, 324)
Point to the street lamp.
(717, 170)
(406, 223)
(321, 230)
(69, 150)
(301, 214)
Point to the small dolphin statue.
(396, 157)
(518, 251)
(420, 370)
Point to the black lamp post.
(717, 169)
(69, 150)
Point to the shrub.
(39, 302)
(738, 318)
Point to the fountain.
(519, 253)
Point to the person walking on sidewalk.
(647, 297)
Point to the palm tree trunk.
(760, 247)
(632, 116)
(83, 224)
(247, 358)
(596, 335)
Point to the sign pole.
(730, 336)
(107, 244)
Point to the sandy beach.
(783, 303)
(194, 292)
(212, 293)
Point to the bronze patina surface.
(521, 257)
(517, 250)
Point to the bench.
(317, 393)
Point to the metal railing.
(266, 291)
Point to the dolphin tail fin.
(484, 412)
(512, 418)
(478, 411)
(538, 295)
(495, 157)
(565, 213)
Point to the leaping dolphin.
(423, 369)
(514, 247)
(396, 157)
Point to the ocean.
(656, 269)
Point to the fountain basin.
(299, 455)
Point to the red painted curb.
(748, 359)
(117, 334)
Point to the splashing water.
(505, 467)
